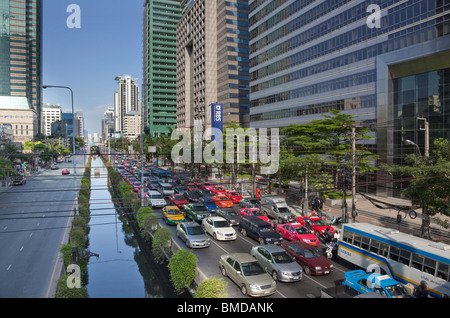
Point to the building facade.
(20, 51)
(108, 124)
(159, 65)
(16, 114)
(212, 61)
(126, 99)
(50, 114)
(385, 64)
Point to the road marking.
(9, 267)
(21, 249)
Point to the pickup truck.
(384, 285)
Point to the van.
(155, 199)
(165, 189)
(276, 208)
(259, 230)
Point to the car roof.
(272, 248)
(191, 224)
(217, 218)
(243, 257)
(301, 244)
(255, 219)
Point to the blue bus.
(406, 258)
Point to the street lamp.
(142, 144)
(73, 129)
(409, 142)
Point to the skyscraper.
(386, 64)
(212, 61)
(20, 52)
(159, 65)
(126, 99)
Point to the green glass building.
(159, 65)
(20, 52)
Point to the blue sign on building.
(217, 116)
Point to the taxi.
(223, 201)
(172, 215)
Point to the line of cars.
(202, 211)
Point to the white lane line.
(9, 267)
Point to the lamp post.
(73, 129)
(142, 142)
(409, 142)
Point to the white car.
(219, 228)
(155, 199)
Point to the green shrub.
(161, 244)
(212, 288)
(182, 266)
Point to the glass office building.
(159, 65)
(20, 51)
(308, 57)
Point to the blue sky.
(108, 44)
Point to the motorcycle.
(331, 250)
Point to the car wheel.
(307, 270)
(244, 290)
(188, 244)
(215, 236)
(224, 271)
(275, 275)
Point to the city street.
(34, 221)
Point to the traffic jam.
(261, 247)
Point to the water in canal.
(125, 267)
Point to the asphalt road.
(34, 219)
(208, 265)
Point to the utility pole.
(353, 172)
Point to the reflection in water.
(123, 270)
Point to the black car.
(229, 214)
(250, 203)
(192, 196)
(259, 230)
(179, 189)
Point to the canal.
(125, 267)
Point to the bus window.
(374, 246)
(383, 250)
(348, 237)
(394, 253)
(429, 266)
(405, 257)
(443, 271)
(365, 242)
(417, 261)
(357, 240)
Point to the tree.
(429, 182)
(182, 266)
(331, 137)
(212, 288)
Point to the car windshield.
(284, 210)
(265, 228)
(201, 208)
(231, 212)
(320, 222)
(209, 201)
(252, 269)
(221, 224)
(167, 188)
(282, 257)
(173, 211)
(253, 201)
(157, 196)
(137, 184)
(398, 291)
(312, 253)
(178, 197)
(257, 213)
(195, 230)
(302, 230)
(224, 199)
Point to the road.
(208, 264)
(34, 219)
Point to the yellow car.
(223, 201)
(172, 215)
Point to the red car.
(234, 196)
(136, 186)
(256, 212)
(178, 199)
(190, 186)
(65, 171)
(218, 190)
(206, 185)
(309, 257)
(297, 231)
(316, 225)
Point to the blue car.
(209, 203)
(364, 282)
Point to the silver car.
(193, 235)
(248, 274)
(277, 262)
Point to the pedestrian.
(422, 291)
(337, 235)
